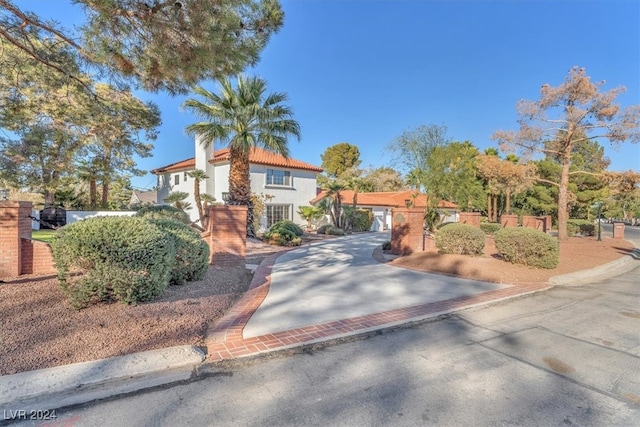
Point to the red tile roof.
(388, 199)
(263, 157)
(257, 156)
(183, 164)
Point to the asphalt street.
(566, 356)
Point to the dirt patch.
(40, 329)
(576, 253)
(558, 365)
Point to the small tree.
(199, 175)
(566, 117)
(177, 199)
(309, 213)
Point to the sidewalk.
(325, 291)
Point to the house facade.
(290, 182)
(381, 204)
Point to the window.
(185, 176)
(277, 213)
(278, 177)
(176, 179)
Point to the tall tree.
(383, 179)
(340, 158)
(161, 45)
(45, 116)
(412, 149)
(568, 116)
(117, 130)
(243, 116)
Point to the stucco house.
(291, 182)
(381, 204)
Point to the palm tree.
(243, 117)
(177, 199)
(198, 175)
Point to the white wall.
(73, 216)
(166, 186)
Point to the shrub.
(528, 246)
(191, 251)
(444, 224)
(284, 233)
(164, 212)
(461, 239)
(580, 226)
(490, 227)
(330, 230)
(120, 258)
(386, 246)
(361, 219)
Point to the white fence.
(73, 216)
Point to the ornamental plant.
(164, 212)
(528, 246)
(463, 239)
(116, 258)
(191, 259)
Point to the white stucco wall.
(166, 186)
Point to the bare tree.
(566, 117)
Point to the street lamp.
(4, 194)
(599, 225)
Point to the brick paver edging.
(225, 341)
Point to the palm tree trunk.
(508, 202)
(198, 200)
(240, 184)
(489, 213)
(495, 209)
(93, 193)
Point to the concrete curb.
(602, 272)
(61, 386)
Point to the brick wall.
(407, 231)
(509, 220)
(36, 257)
(227, 235)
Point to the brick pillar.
(509, 221)
(618, 230)
(14, 225)
(407, 230)
(227, 237)
(471, 218)
(529, 221)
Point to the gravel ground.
(40, 329)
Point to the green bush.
(119, 258)
(361, 219)
(461, 239)
(284, 233)
(580, 226)
(528, 246)
(386, 246)
(163, 212)
(323, 229)
(490, 227)
(444, 224)
(192, 252)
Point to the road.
(566, 356)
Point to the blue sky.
(365, 71)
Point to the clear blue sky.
(365, 71)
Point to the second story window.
(278, 177)
(176, 179)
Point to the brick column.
(471, 218)
(14, 225)
(227, 238)
(618, 230)
(509, 221)
(407, 230)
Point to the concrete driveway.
(339, 279)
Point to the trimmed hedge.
(191, 251)
(330, 230)
(490, 227)
(163, 212)
(361, 220)
(580, 226)
(528, 246)
(284, 233)
(120, 258)
(463, 239)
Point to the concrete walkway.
(339, 279)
